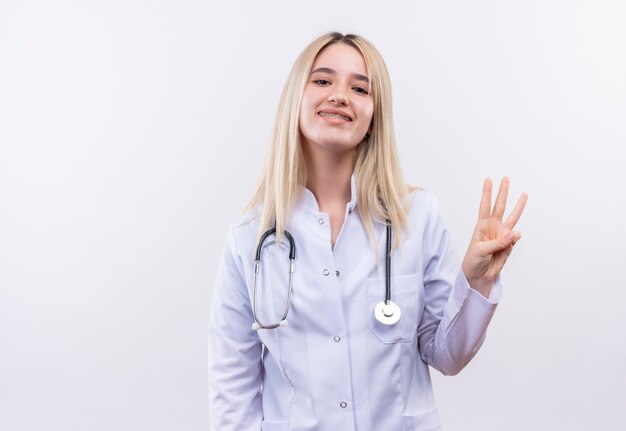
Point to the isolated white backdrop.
(133, 132)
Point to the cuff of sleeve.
(462, 290)
(494, 294)
(465, 298)
(496, 291)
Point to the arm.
(455, 317)
(461, 303)
(235, 370)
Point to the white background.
(133, 132)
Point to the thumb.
(498, 244)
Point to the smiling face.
(337, 109)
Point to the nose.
(339, 96)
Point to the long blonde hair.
(381, 189)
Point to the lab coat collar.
(309, 203)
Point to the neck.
(328, 177)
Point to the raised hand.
(493, 240)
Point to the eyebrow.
(330, 71)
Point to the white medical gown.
(335, 367)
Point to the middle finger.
(500, 204)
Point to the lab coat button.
(343, 404)
(337, 273)
(321, 221)
(326, 272)
(337, 338)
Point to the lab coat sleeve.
(234, 350)
(456, 316)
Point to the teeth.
(326, 114)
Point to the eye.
(322, 82)
(361, 90)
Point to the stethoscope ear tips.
(256, 326)
(387, 313)
(283, 323)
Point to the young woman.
(331, 321)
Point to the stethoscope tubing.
(257, 261)
(388, 265)
(385, 312)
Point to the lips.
(331, 113)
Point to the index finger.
(484, 211)
(500, 204)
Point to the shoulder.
(243, 231)
(246, 220)
(425, 213)
(422, 204)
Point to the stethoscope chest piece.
(387, 312)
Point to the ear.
(368, 133)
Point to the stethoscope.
(386, 312)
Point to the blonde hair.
(381, 189)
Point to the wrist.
(482, 286)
